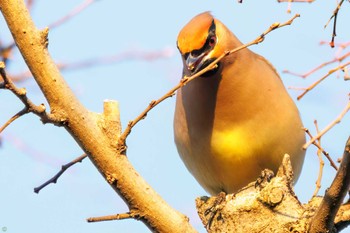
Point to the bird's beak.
(194, 64)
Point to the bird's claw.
(265, 177)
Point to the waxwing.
(235, 120)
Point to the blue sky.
(31, 153)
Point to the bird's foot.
(265, 177)
(213, 210)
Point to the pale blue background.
(31, 153)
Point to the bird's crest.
(194, 35)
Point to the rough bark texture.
(90, 130)
(268, 205)
(323, 221)
(263, 206)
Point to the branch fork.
(91, 130)
(29, 106)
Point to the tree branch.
(328, 127)
(134, 55)
(87, 128)
(91, 130)
(63, 169)
(331, 71)
(289, 9)
(324, 64)
(13, 118)
(318, 145)
(323, 220)
(320, 159)
(127, 215)
(21, 93)
(343, 217)
(121, 142)
(72, 13)
(335, 16)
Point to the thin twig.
(72, 13)
(323, 78)
(342, 45)
(128, 55)
(289, 8)
(297, 88)
(127, 215)
(21, 94)
(33, 152)
(306, 74)
(63, 169)
(309, 1)
(346, 74)
(319, 155)
(335, 16)
(133, 55)
(13, 118)
(328, 127)
(5, 51)
(320, 171)
(185, 80)
(325, 153)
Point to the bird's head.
(201, 41)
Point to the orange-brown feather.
(195, 33)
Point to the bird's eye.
(212, 41)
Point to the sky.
(31, 153)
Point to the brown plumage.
(236, 120)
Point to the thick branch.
(87, 127)
(323, 220)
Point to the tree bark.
(270, 205)
(97, 134)
(323, 221)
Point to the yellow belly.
(236, 158)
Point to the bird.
(235, 120)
